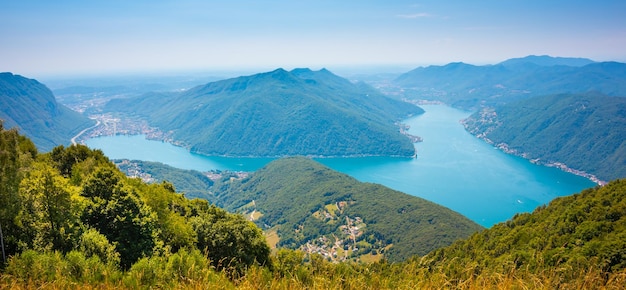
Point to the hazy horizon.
(68, 37)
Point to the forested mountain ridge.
(279, 113)
(31, 106)
(469, 86)
(312, 207)
(585, 132)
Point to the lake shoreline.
(312, 156)
(504, 147)
(109, 125)
(454, 168)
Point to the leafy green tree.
(9, 182)
(64, 159)
(572, 234)
(93, 243)
(171, 209)
(116, 211)
(46, 215)
(230, 241)
(16, 152)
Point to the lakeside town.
(109, 125)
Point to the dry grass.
(409, 276)
(272, 238)
(370, 258)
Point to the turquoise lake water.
(453, 168)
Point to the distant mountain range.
(87, 95)
(546, 60)
(564, 112)
(585, 132)
(31, 107)
(312, 207)
(278, 113)
(469, 87)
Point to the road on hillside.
(83, 132)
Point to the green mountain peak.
(279, 113)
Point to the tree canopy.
(73, 199)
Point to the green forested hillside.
(575, 233)
(30, 106)
(279, 113)
(583, 131)
(308, 202)
(471, 87)
(396, 225)
(301, 200)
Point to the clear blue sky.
(62, 37)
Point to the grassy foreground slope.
(307, 202)
(30, 106)
(278, 113)
(586, 132)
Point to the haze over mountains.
(469, 86)
(278, 113)
(281, 198)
